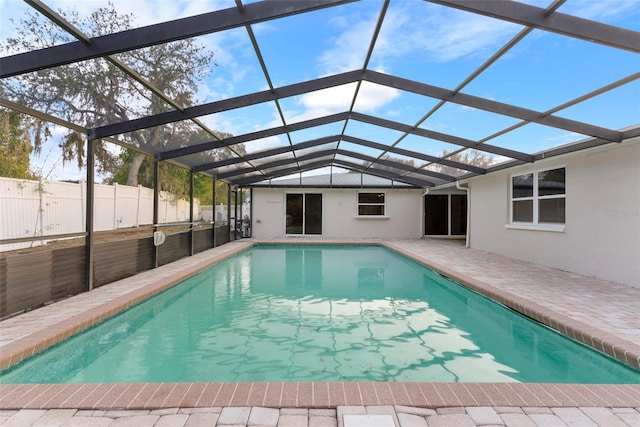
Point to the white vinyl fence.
(41, 208)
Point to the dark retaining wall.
(31, 279)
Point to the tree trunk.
(132, 179)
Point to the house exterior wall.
(404, 213)
(601, 237)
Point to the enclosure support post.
(156, 207)
(191, 226)
(235, 213)
(251, 212)
(213, 212)
(241, 215)
(229, 210)
(88, 252)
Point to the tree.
(15, 146)
(408, 162)
(173, 179)
(96, 92)
(468, 157)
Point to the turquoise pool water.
(314, 313)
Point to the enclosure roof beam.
(584, 144)
(343, 163)
(70, 28)
(441, 137)
(558, 151)
(166, 32)
(559, 23)
(265, 71)
(414, 154)
(248, 137)
(372, 45)
(334, 138)
(471, 77)
(331, 152)
(226, 104)
(42, 116)
(383, 174)
(283, 172)
(350, 77)
(60, 122)
(274, 163)
(492, 106)
(395, 165)
(58, 20)
(268, 153)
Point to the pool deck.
(601, 314)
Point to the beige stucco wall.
(403, 206)
(602, 232)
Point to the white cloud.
(349, 48)
(590, 9)
(438, 34)
(561, 138)
(338, 99)
(373, 96)
(331, 100)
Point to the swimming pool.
(312, 313)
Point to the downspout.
(466, 189)
(424, 213)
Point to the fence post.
(41, 209)
(138, 206)
(115, 205)
(83, 200)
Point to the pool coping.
(310, 394)
(317, 395)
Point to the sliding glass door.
(445, 215)
(303, 213)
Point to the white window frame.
(535, 224)
(383, 204)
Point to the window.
(371, 204)
(538, 197)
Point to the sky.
(418, 41)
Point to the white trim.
(383, 204)
(558, 228)
(371, 217)
(535, 198)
